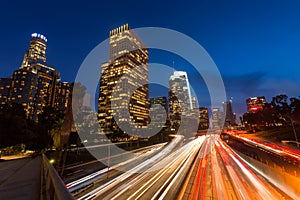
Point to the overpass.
(31, 178)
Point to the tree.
(65, 126)
(295, 109)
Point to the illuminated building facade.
(194, 102)
(158, 117)
(255, 104)
(216, 118)
(62, 96)
(23, 89)
(180, 101)
(203, 118)
(35, 84)
(128, 58)
(36, 52)
(5, 84)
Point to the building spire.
(173, 66)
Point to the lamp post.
(295, 133)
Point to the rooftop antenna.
(173, 66)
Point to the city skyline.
(242, 38)
(150, 100)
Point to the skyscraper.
(194, 102)
(33, 85)
(36, 52)
(127, 66)
(5, 84)
(62, 96)
(158, 119)
(230, 118)
(180, 101)
(203, 118)
(216, 118)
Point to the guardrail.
(52, 186)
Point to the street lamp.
(295, 133)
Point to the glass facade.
(180, 101)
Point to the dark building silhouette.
(230, 118)
(5, 84)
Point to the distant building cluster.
(35, 84)
(225, 118)
(255, 104)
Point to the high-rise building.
(158, 117)
(203, 118)
(34, 84)
(36, 52)
(23, 89)
(255, 104)
(180, 101)
(229, 115)
(5, 84)
(194, 102)
(62, 96)
(216, 118)
(127, 66)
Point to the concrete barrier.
(276, 175)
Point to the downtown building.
(255, 104)
(5, 84)
(159, 115)
(229, 115)
(203, 119)
(216, 118)
(35, 84)
(124, 84)
(180, 99)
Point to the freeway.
(153, 178)
(140, 154)
(201, 168)
(219, 173)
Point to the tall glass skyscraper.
(126, 71)
(180, 100)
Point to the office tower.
(23, 89)
(255, 104)
(5, 84)
(34, 84)
(203, 118)
(62, 96)
(216, 118)
(229, 115)
(158, 119)
(36, 52)
(194, 102)
(128, 58)
(180, 102)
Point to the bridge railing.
(52, 186)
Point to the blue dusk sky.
(255, 44)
